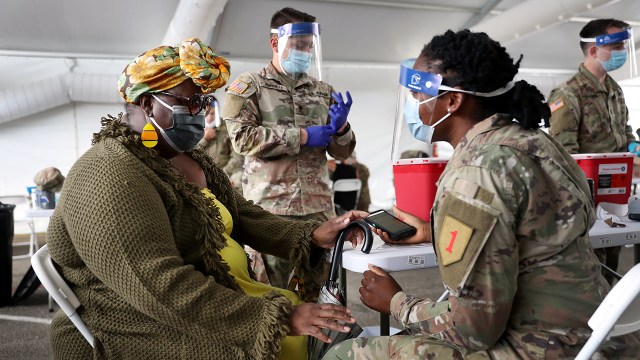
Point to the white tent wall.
(57, 137)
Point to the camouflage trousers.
(397, 347)
(278, 270)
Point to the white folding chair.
(22, 204)
(619, 313)
(348, 185)
(59, 290)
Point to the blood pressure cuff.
(463, 225)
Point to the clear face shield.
(299, 49)
(617, 53)
(417, 95)
(213, 119)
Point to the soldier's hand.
(325, 235)
(317, 136)
(377, 289)
(308, 319)
(422, 235)
(339, 111)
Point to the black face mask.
(186, 131)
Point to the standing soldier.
(284, 119)
(589, 114)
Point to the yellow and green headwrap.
(165, 67)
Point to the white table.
(390, 257)
(39, 213)
(31, 214)
(602, 235)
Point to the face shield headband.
(408, 111)
(608, 39)
(431, 84)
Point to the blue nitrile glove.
(632, 147)
(339, 110)
(319, 135)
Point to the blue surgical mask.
(418, 129)
(297, 62)
(617, 59)
(186, 131)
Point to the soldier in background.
(217, 144)
(284, 120)
(588, 112)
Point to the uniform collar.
(491, 123)
(595, 83)
(271, 73)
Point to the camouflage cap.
(49, 179)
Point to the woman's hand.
(377, 289)
(325, 235)
(308, 319)
(422, 235)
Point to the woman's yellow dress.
(293, 347)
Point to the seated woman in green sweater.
(148, 234)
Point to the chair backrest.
(59, 289)
(344, 186)
(619, 313)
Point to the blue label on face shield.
(620, 36)
(299, 29)
(420, 81)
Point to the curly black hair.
(475, 62)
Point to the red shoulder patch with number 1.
(453, 240)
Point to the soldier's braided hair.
(475, 62)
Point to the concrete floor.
(25, 337)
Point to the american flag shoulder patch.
(558, 104)
(238, 86)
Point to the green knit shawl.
(210, 232)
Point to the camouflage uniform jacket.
(264, 114)
(589, 116)
(510, 228)
(221, 151)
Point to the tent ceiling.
(353, 30)
(370, 31)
